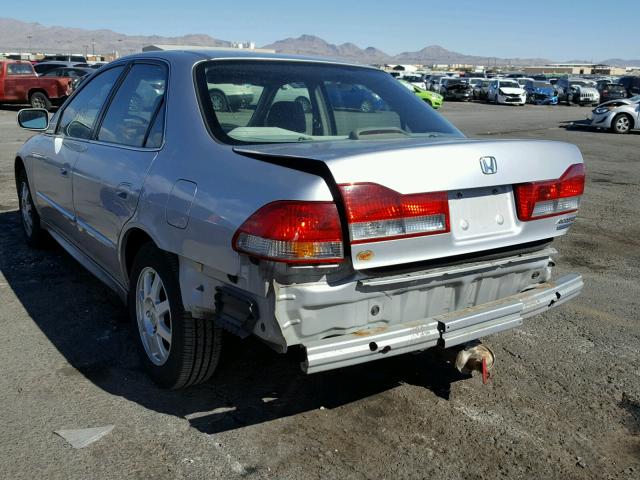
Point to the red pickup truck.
(19, 83)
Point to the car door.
(110, 172)
(54, 159)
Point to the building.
(240, 45)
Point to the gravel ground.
(564, 401)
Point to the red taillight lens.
(553, 197)
(292, 232)
(376, 213)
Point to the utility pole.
(93, 47)
(29, 41)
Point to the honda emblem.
(488, 165)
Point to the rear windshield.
(19, 69)
(257, 101)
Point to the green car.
(432, 98)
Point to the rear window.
(281, 102)
(19, 69)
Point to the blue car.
(540, 93)
(354, 97)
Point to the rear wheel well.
(38, 90)
(134, 241)
(18, 166)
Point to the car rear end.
(410, 241)
(408, 258)
(612, 91)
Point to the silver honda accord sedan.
(252, 193)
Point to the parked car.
(348, 96)
(230, 97)
(610, 91)
(434, 82)
(523, 80)
(631, 85)
(481, 89)
(506, 91)
(540, 93)
(44, 67)
(473, 81)
(19, 84)
(456, 89)
(68, 72)
(417, 80)
(430, 98)
(357, 236)
(619, 116)
(577, 91)
(64, 58)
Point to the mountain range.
(16, 35)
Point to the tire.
(34, 234)
(219, 101)
(428, 102)
(188, 350)
(621, 124)
(306, 104)
(40, 100)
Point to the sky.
(559, 30)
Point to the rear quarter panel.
(230, 187)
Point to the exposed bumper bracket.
(447, 330)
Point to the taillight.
(552, 197)
(376, 213)
(292, 232)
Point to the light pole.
(93, 47)
(29, 42)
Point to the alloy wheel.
(153, 315)
(622, 124)
(26, 208)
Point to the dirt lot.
(564, 402)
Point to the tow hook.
(476, 357)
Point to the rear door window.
(135, 106)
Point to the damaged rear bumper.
(445, 330)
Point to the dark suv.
(631, 85)
(610, 91)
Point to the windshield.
(279, 102)
(509, 84)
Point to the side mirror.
(33, 119)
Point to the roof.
(235, 53)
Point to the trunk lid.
(482, 209)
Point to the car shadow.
(584, 125)
(88, 325)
